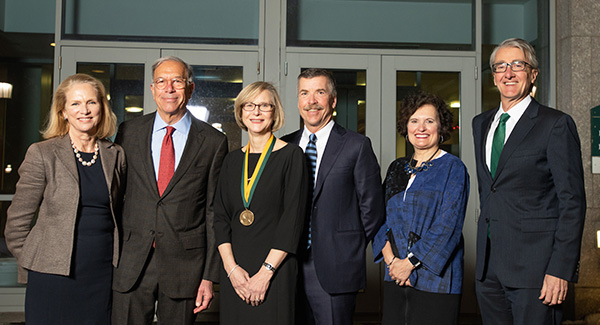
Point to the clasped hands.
(251, 289)
(400, 270)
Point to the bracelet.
(392, 261)
(235, 267)
(269, 267)
(413, 260)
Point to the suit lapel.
(108, 157)
(145, 146)
(190, 152)
(296, 136)
(485, 129)
(64, 153)
(334, 146)
(522, 128)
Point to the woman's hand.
(258, 285)
(239, 281)
(400, 270)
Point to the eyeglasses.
(177, 83)
(263, 107)
(514, 66)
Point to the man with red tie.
(168, 254)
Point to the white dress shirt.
(322, 137)
(515, 113)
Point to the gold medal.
(246, 217)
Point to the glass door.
(358, 109)
(453, 79)
(127, 75)
(219, 77)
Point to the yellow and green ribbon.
(248, 185)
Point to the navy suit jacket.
(347, 209)
(535, 205)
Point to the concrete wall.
(578, 90)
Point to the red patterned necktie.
(167, 161)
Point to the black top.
(279, 207)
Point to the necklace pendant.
(247, 217)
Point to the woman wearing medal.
(259, 215)
(421, 240)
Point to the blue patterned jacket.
(433, 208)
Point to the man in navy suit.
(347, 205)
(532, 198)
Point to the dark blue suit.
(535, 206)
(347, 210)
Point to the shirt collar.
(516, 111)
(323, 133)
(183, 125)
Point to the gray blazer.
(49, 181)
(180, 221)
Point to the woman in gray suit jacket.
(74, 182)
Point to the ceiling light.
(134, 109)
(5, 90)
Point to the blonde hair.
(58, 126)
(251, 91)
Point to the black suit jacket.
(181, 220)
(535, 206)
(347, 209)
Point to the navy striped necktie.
(311, 160)
(311, 157)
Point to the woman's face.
(257, 121)
(82, 109)
(423, 128)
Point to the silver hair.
(521, 44)
(188, 68)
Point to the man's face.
(513, 86)
(315, 102)
(170, 101)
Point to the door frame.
(469, 108)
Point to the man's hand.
(204, 297)
(554, 290)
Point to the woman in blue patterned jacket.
(421, 241)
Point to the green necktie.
(498, 143)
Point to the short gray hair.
(521, 44)
(188, 68)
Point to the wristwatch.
(414, 260)
(269, 267)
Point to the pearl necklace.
(83, 162)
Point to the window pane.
(213, 22)
(444, 84)
(124, 85)
(26, 62)
(212, 101)
(350, 111)
(442, 25)
(526, 19)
